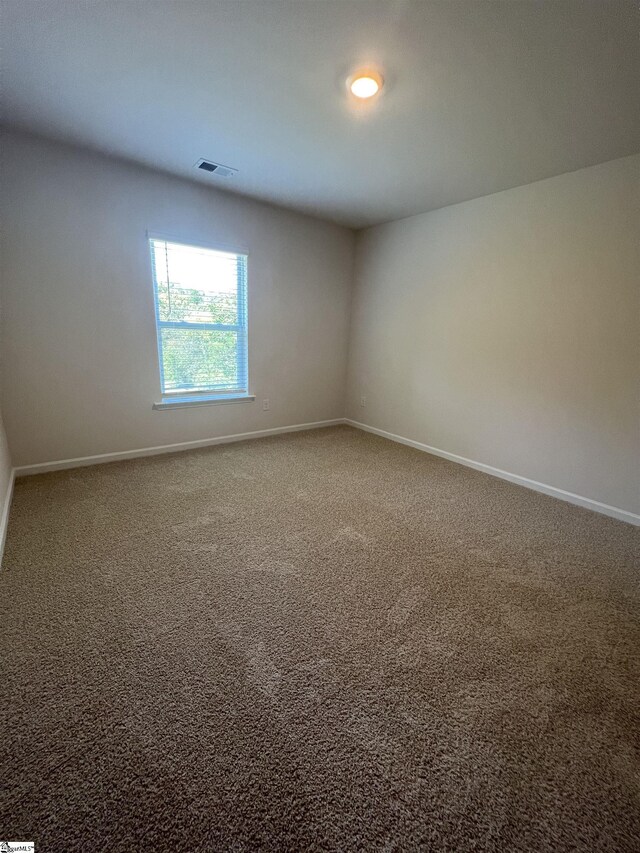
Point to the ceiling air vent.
(216, 168)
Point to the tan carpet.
(320, 641)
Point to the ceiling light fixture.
(365, 84)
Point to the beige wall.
(6, 466)
(507, 330)
(78, 338)
(5, 476)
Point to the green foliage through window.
(201, 330)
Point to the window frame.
(181, 398)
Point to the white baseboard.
(561, 494)
(4, 516)
(61, 464)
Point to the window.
(201, 319)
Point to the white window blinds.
(201, 318)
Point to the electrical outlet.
(266, 404)
(363, 401)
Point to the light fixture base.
(365, 83)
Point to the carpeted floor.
(319, 641)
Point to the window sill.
(204, 400)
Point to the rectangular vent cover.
(216, 168)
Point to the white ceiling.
(480, 95)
